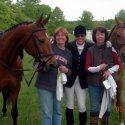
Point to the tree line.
(29, 10)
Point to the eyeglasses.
(80, 35)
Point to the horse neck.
(10, 43)
(110, 39)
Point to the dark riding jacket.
(78, 64)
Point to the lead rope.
(29, 82)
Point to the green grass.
(28, 104)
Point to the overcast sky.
(101, 9)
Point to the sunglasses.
(80, 35)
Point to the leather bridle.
(38, 55)
(117, 45)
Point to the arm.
(35, 65)
(67, 69)
(115, 67)
(90, 68)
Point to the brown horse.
(117, 38)
(32, 37)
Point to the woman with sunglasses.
(76, 84)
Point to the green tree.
(57, 19)
(29, 7)
(121, 14)
(11, 14)
(86, 19)
(109, 23)
(19, 16)
(7, 1)
(6, 15)
(43, 9)
(70, 25)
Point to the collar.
(101, 46)
(80, 46)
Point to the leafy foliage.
(6, 16)
(29, 10)
(57, 19)
(86, 19)
(121, 14)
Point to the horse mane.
(16, 25)
(111, 31)
(20, 50)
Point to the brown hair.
(61, 29)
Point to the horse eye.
(41, 41)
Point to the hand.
(63, 69)
(35, 67)
(103, 66)
(106, 74)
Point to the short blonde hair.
(61, 29)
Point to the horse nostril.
(52, 65)
(41, 41)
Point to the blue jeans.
(96, 94)
(50, 108)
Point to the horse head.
(38, 43)
(117, 38)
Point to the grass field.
(28, 105)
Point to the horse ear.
(45, 21)
(118, 21)
(40, 19)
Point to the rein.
(27, 82)
(39, 56)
